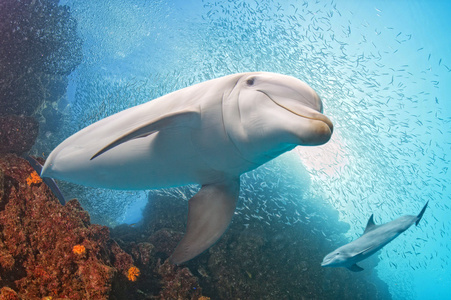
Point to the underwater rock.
(149, 249)
(143, 253)
(8, 294)
(27, 94)
(38, 36)
(50, 250)
(121, 260)
(165, 241)
(178, 283)
(39, 48)
(17, 133)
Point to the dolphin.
(373, 239)
(209, 133)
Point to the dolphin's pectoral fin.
(364, 252)
(355, 268)
(210, 212)
(187, 118)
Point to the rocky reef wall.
(50, 251)
(38, 50)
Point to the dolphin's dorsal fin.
(355, 268)
(209, 214)
(370, 225)
(187, 118)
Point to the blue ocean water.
(382, 68)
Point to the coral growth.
(33, 178)
(79, 249)
(37, 238)
(133, 273)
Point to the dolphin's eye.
(250, 81)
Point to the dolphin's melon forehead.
(284, 84)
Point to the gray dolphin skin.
(373, 239)
(209, 133)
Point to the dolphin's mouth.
(326, 262)
(304, 112)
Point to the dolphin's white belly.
(164, 159)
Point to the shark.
(374, 238)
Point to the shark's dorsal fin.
(355, 267)
(370, 225)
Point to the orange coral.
(79, 249)
(133, 273)
(33, 178)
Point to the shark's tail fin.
(420, 215)
(49, 181)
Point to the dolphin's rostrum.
(208, 134)
(373, 239)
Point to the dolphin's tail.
(420, 215)
(49, 181)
